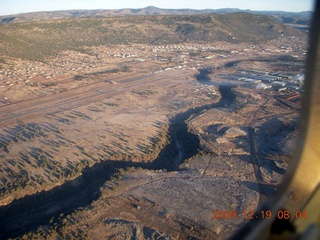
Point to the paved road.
(79, 96)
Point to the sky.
(8, 7)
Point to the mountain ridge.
(39, 39)
(282, 16)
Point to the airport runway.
(81, 96)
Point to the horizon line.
(113, 9)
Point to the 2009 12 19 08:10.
(251, 214)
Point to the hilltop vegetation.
(284, 17)
(38, 40)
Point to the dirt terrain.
(147, 142)
(100, 121)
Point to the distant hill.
(37, 40)
(284, 17)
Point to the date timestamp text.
(266, 214)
